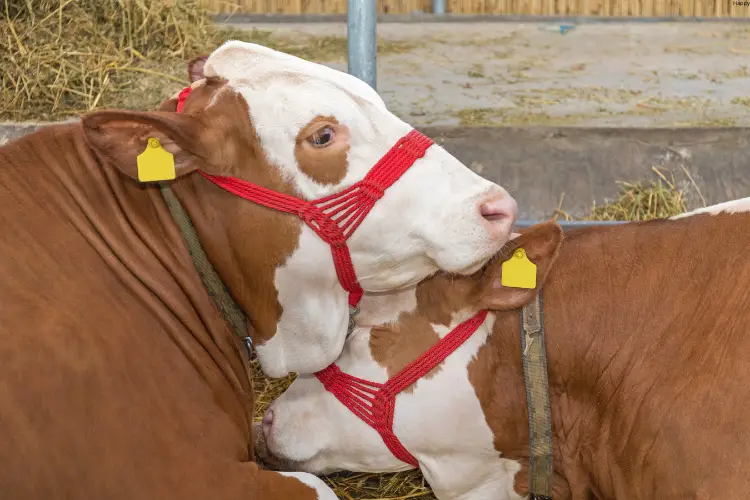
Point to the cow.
(646, 332)
(119, 377)
(309, 131)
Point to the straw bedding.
(60, 58)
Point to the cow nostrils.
(499, 212)
(266, 423)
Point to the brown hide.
(118, 377)
(647, 334)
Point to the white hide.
(322, 489)
(441, 422)
(731, 207)
(428, 220)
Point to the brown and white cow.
(118, 376)
(647, 328)
(310, 131)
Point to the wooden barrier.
(635, 8)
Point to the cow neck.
(534, 355)
(334, 218)
(375, 403)
(214, 285)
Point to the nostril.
(267, 422)
(498, 209)
(491, 211)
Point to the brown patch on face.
(325, 165)
(395, 345)
(245, 241)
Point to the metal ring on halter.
(353, 311)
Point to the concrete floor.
(629, 74)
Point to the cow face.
(438, 419)
(309, 131)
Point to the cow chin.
(274, 460)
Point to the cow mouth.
(271, 461)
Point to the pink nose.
(500, 211)
(267, 422)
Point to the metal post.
(362, 40)
(438, 6)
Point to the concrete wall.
(538, 164)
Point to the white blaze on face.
(441, 422)
(729, 207)
(429, 219)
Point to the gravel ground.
(650, 74)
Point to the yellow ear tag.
(155, 163)
(519, 271)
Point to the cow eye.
(322, 137)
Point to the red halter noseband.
(375, 403)
(334, 218)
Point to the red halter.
(375, 403)
(334, 218)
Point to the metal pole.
(438, 6)
(362, 40)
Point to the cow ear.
(541, 243)
(120, 136)
(195, 68)
(195, 73)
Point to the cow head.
(438, 419)
(309, 131)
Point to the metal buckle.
(353, 311)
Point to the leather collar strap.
(537, 400)
(334, 218)
(215, 287)
(375, 403)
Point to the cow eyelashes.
(322, 137)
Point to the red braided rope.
(182, 97)
(375, 403)
(334, 218)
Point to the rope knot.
(415, 144)
(370, 190)
(328, 375)
(325, 227)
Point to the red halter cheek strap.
(334, 218)
(375, 403)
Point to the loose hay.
(63, 57)
(645, 200)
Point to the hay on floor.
(60, 58)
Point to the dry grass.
(63, 57)
(656, 198)
(653, 198)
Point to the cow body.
(118, 376)
(646, 331)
